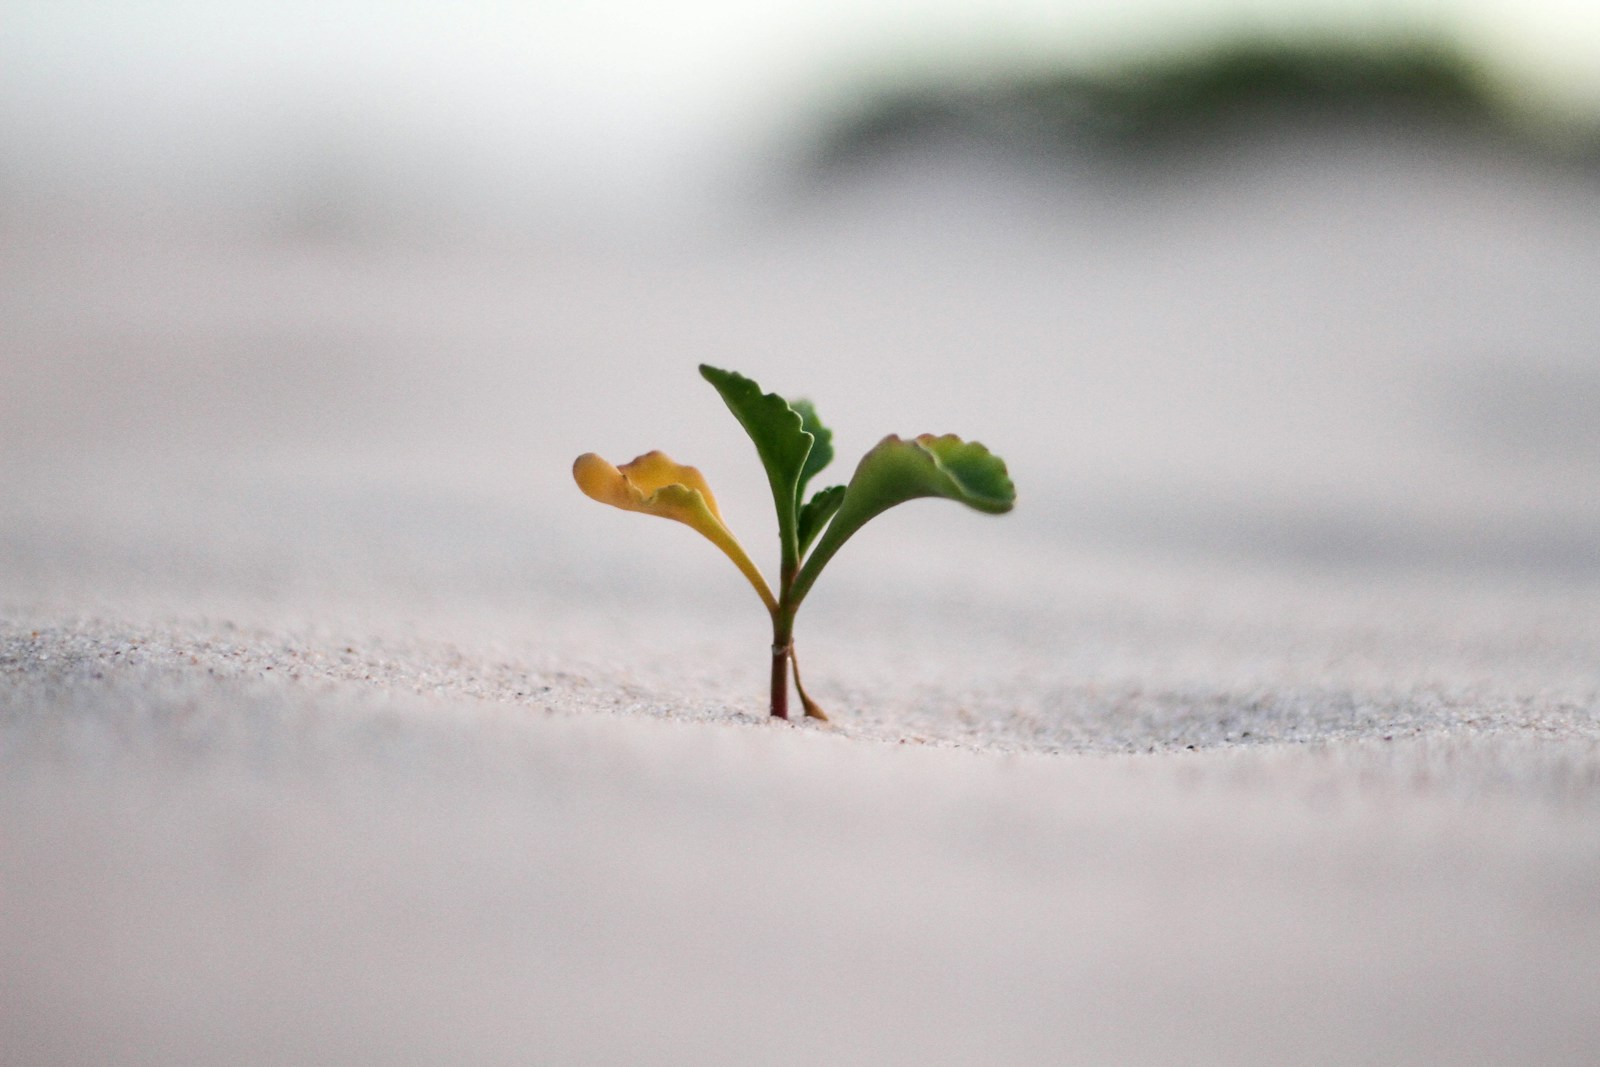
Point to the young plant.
(794, 446)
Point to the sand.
(337, 727)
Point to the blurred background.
(1299, 283)
(501, 121)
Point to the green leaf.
(977, 477)
(897, 470)
(781, 441)
(816, 512)
(821, 451)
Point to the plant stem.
(813, 709)
(782, 651)
(783, 636)
(780, 678)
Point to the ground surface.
(335, 726)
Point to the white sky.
(713, 45)
(598, 93)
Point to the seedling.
(794, 446)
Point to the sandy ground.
(337, 727)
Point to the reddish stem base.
(780, 680)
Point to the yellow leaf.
(656, 485)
